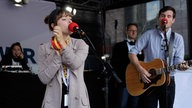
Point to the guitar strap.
(171, 42)
(170, 58)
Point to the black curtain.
(189, 6)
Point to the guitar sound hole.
(153, 73)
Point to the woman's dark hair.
(166, 8)
(54, 16)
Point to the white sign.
(25, 25)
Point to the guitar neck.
(171, 68)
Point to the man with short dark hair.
(159, 43)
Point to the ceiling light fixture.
(20, 3)
(73, 11)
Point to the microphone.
(164, 21)
(74, 27)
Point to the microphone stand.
(166, 49)
(107, 67)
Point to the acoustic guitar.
(156, 68)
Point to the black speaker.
(20, 90)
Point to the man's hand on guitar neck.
(183, 66)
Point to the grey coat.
(49, 63)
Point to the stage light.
(105, 57)
(73, 11)
(68, 9)
(19, 3)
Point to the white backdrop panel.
(25, 25)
